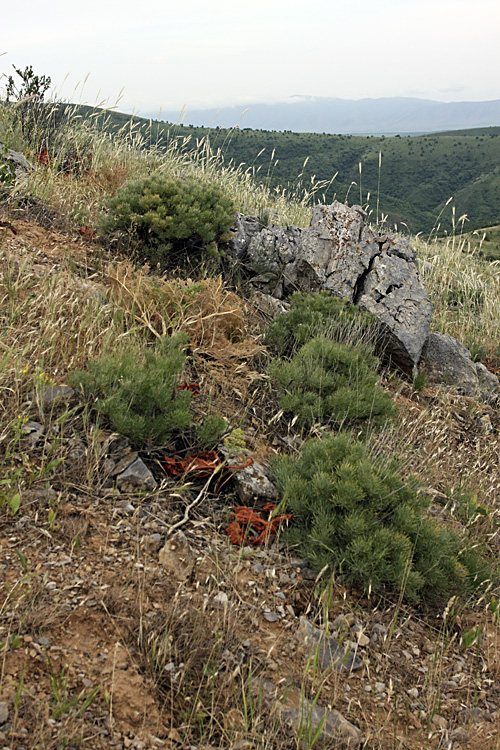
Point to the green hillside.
(418, 175)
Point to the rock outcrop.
(341, 254)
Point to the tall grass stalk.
(464, 291)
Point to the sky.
(169, 54)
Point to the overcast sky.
(170, 53)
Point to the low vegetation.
(354, 516)
(394, 492)
(167, 218)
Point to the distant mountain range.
(306, 114)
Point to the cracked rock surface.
(341, 254)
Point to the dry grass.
(465, 293)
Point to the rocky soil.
(116, 633)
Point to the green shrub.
(166, 216)
(330, 383)
(354, 514)
(138, 392)
(314, 315)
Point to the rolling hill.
(410, 179)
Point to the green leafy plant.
(166, 216)
(331, 383)
(354, 514)
(319, 315)
(138, 391)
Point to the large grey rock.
(445, 360)
(271, 255)
(245, 227)
(339, 253)
(337, 249)
(393, 292)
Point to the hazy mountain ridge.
(389, 115)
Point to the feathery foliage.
(331, 383)
(313, 315)
(164, 215)
(138, 391)
(354, 514)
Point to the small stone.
(177, 556)
(343, 621)
(174, 736)
(44, 641)
(330, 728)
(258, 568)
(252, 483)
(221, 598)
(153, 542)
(77, 449)
(459, 735)
(329, 650)
(136, 478)
(108, 466)
(271, 616)
(363, 640)
(474, 714)
(380, 687)
(439, 721)
(458, 666)
(4, 712)
(413, 693)
(57, 392)
(31, 428)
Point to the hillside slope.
(129, 618)
(408, 180)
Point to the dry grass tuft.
(465, 293)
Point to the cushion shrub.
(166, 215)
(319, 315)
(330, 383)
(138, 391)
(353, 513)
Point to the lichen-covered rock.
(245, 227)
(252, 483)
(339, 253)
